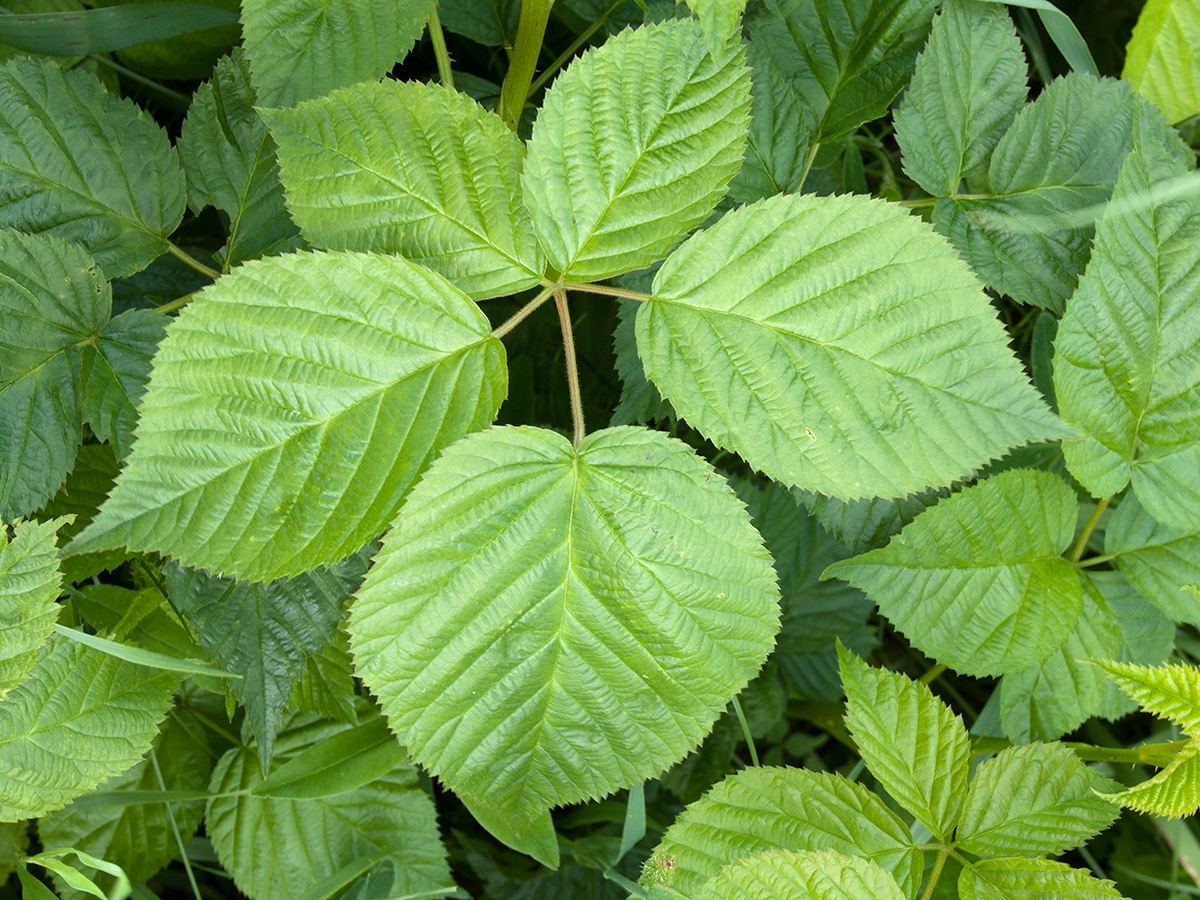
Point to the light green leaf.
(1126, 371)
(1171, 692)
(1147, 636)
(1174, 792)
(229, 159)
(969, 83)
(890, 373)
(1031, 879)
(279, 849)
(977, 581)
(300, 49)
(537, 591)
(782, 809)
(29, 587)
(1162, 60)
(1156, 559)
(116, 367)
(139, 655)
(343, 761)
(52, 300)
(79, 163)
(415, 169)
(914, 744)
(1036, 800)
(534, 837)
(634, 147)
(720, 19)
(81, 717)
(349, 367)
(813, 875)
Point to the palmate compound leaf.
(1126, 362)
(415, 169)
(839, 345)
(312, 389)
(81, 717)
(1161, 60)
(1031, 879)
(808, 875)
(555, 602)
(634, 146)
(80, 163)
(977, 582)
(29, 587)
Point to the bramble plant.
(313, 582)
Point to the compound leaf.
(1031, 879)
(634, 146)
(1156, 559)
(116, 367)
(811, 875)
(554, 601)
(314, 388)
(1161, 60)
(415, 169)
(29, 586)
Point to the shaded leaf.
(29, 587)
(116, 367)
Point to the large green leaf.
(1161, 59)
(415, 169)
(969, 83)
(977, 582)
(81, 32)
(811, 875)
(1126, 367)
(229, 160)
(888, 372)
(782, 809)
(1031, 879)
(78, 162)
(1157, 559)
(29, 586)
(280, 849)
(555, 602)
(300, 49)
(326, 381)
(116, 367)
(80, 718)
(634, 146)
(89, 483)
(53, 300)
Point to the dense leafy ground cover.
(855, 555)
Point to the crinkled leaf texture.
(291, 406)
(720, 19)
(80, 163)
(29, 585)
(116, 367)
(808, 875)
(978, 582)
(634, 147)
(1161, 60)
(1156, 559)
(81, 717)
(1031, 879)
(783, 333)
(415, 169)
(555, 602)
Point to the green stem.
(737, 708)
(607, 290)
(933, 673)
(938, 864)
(521, 314)
(179, 99)
(1095, 560)
(562, 58)
(1088, 528)
(437, 37)
(919, 203)
(531, 28)
(192, 261)
(1159, 754)
(187, 865)
(808, 164)
(178, 303)
(564, 320)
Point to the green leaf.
(229, 159)
(1147, 636)
(82, 164)
(414, 169)
(1037, 800)
(343, 761)
(977, 581)
(140, 656)
(350, 367)
(1170, 692)
(278, 849)
(814, 875)
(29, 587)
(782, 809)
(969, 83)
(1062, 31)
(634, 147)
(534, 837)
(1156, 559)
(1126, 372)
(1161, 60)
(720, 19)
(301, 49)
(14, 842)
(326, 686)
(52, 300)
(537, 591)
(641, 403)
(81, 717)
(492, 23)
(892, 371)
(109, 28)
(916, 747)
(869, 523)
(116, 367)
(1031, 879)
(86, 487)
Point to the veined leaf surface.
(312, 390)
(808, 875)
(1156, 558)
(1031, 879)
(116, 367)
(1161, 60)
(29, 585)
(555, 602)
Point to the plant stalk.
(521, 314)
(737, 708)
(1159, 754)
(535, 14)
(186, 257)
(562, 58)
(564, 320)
(1081, 544)
(437, 37)
(938, 864)
(607, 290)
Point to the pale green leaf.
(414, 169)
(29, 587)
(1035, 800)
(300, 49)
(81, 717)
(812, 875)
(116, 367)
(977, 582)
(720, 19)
(1156, 559)
(279, 849)
(554, 601)
(1147, 635)
(1162, 59)
(327, 381)
(782, 809)
(229, 160)
(80, 32)
(1031, 879)
(914, 744)
(969, 83)
(888, 373)
(634, 146)
(1172, 692)
(1174, 792)
(82, 164)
